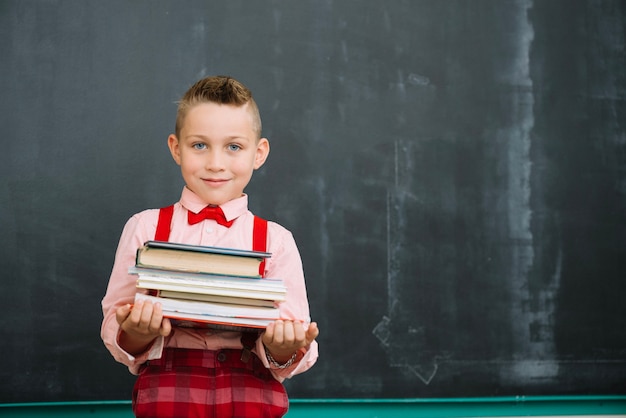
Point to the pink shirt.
(285, 263)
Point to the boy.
(202, 372)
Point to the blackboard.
(454, 173)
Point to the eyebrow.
(226, 139)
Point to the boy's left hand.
(283, 338)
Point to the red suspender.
(164, 224)
(259, 239)
(259, 232)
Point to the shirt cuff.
(134, 363)
(302, 363)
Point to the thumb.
(166, 327)
(312, 332)
(122, 313)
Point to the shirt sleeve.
(122, 288)
(286, 264)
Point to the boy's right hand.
(140, 325)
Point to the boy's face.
(217, 151)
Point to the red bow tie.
(210, 212)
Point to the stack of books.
(208, 286)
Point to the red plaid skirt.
(202, 383)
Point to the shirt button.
(221, 357)
(209, 230)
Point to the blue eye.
(199, 146)
(234, 147)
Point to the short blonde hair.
(222, 90)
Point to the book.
(208, 287)
(215, 298)
(220, 315)
(204, 323)
(200, 259)
(208, 284)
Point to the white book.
(185, 308)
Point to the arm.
(292, 334)
(130, 334)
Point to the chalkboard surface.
(454, 173)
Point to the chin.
(215, 201)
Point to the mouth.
(214, 182)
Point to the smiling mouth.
(214, 182)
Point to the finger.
(166, 327)
(268, 335)
(146, 316)
(288, 333)
(279, 331)
(299, 332)
(122, 313)
(135, 313)
(312, 332)
(156, 318)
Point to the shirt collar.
(232, 209)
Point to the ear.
(262, 151)
(174, 146)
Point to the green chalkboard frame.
(390, 408)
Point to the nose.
(214, 161)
